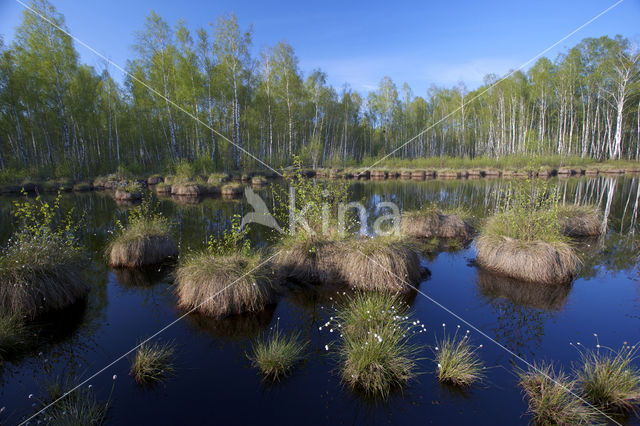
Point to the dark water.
(214, 382)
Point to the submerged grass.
(609, 379)
(458, 361)
(551, 398)
(152, 363)
(277, 353)
(377, 357)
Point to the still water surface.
(214, 382)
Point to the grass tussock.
(40, 274)
(610, 380)
(432, 223)
(277, 353)
(80, 407)
(377, 358)
(381, 263)
(458, 360)
(306, 258)
(15, 337)
(522, 253)
(145, 241)
(580, 221)
(153, 362)
(232, 189)
(219, 286)
(366, 311)
(187, 189)
(552, 398)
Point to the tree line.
(69, 118)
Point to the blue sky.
(418, 42)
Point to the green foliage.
(143, 220)
(315, 200)
(277, 353)
(232, 241)
(529, 212)
(39, 220)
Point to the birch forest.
(199, 94)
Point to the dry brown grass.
(382, 263)
(142, 251)
(431, 223)
(219, 286)
(532, 261)
(579, 221)
(547, 297)
(306, 258)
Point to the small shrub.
(40, 267)
(609, 379)
(232, 241)
(277, 353)
(458, 361)
(152, 363)
(552, 398)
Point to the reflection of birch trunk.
(624, 212)
(634, 215)
(611, 185)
